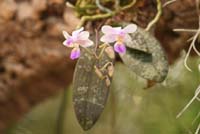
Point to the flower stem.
(106, 65)
(103, 46)
(97, 40)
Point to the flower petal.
(66, 35)
(75, 53)
(76, 32)
(130, 28)
(68, 42)
(85, 43)
(108, 38)
(110, 30)
(120, 48)
(84, 35)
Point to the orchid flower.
(77, 39)
(117, 35)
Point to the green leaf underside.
(145, 56)
(90, 92)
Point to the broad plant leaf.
(145, 56)
(90, 92)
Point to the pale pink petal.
(131, 28)
(76, 32)
(117, 30)
(110, 30)
(88, 43)
(108, 38)
(85, 43)
(68, 42)
(75, 53)
(66, 35)
(84, 35)
(107, 29)
(120, 48)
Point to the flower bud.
(110, 70)
(110, 52)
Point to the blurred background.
(35, 70)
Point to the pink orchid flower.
(117, 35)
(78, 38)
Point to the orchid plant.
(116, 35)
(94, 70)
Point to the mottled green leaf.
(90, 92)
(145, 56)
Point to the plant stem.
(129, 5)
(185, 30)
(103, 47)
(106, 15)
(168, 2)
(190, 102)
(102, 8)
(96, 40)
(106, 65)
(156, 18)
(94, 17)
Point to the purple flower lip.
(120, 48)
(75, 53)
(69, 42)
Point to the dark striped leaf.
(145, 56)
(90, 91)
